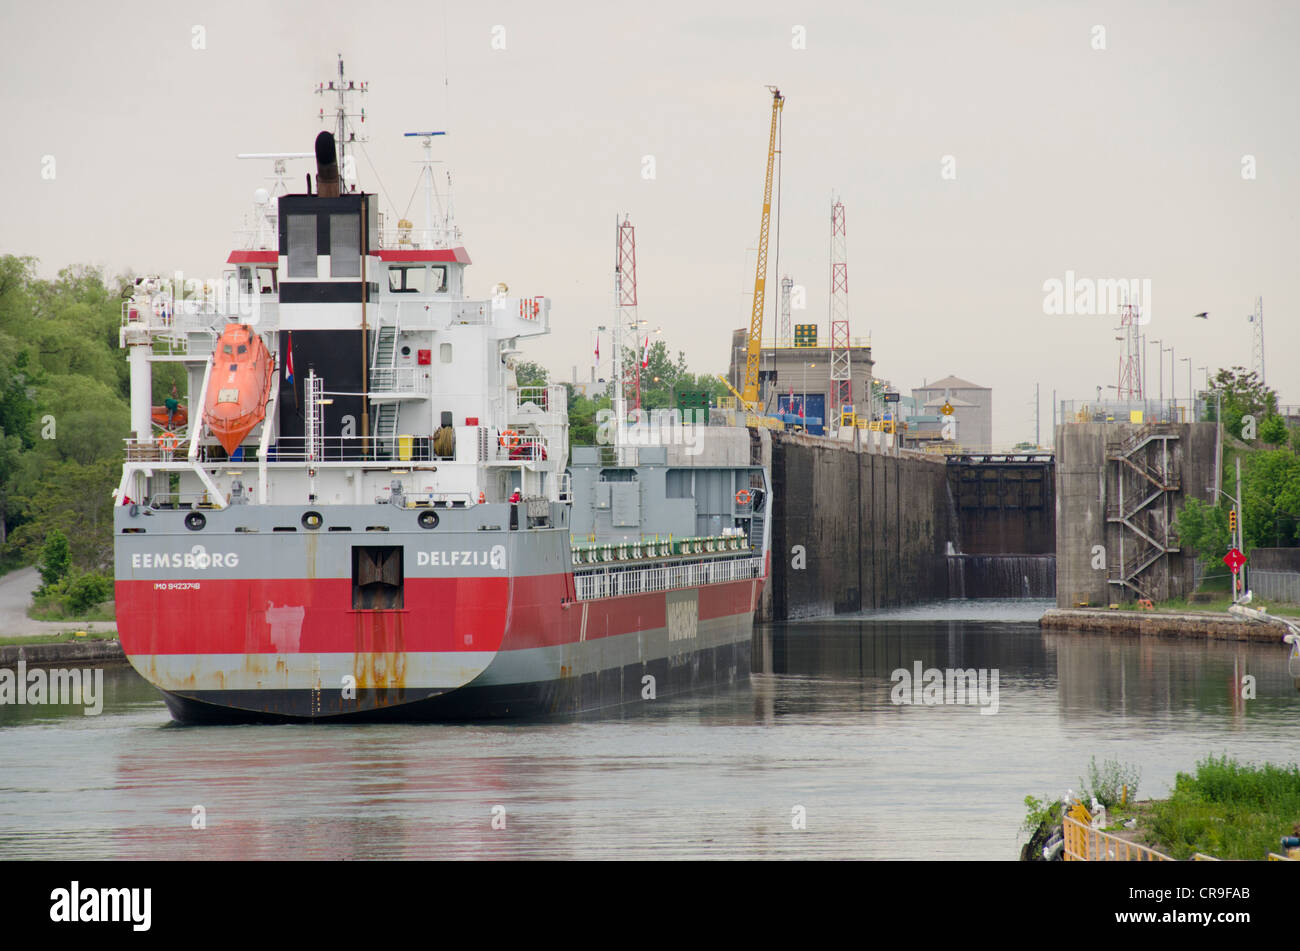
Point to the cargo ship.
(360, 515)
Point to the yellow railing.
(1085, 844)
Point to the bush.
(85, 591)
(55, 558)
(1112, 782)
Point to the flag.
(288, 361)
(597, 349)
(645, 354)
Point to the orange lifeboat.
(179, 418)
(239, 386)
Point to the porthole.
(428, 519)
(195, 521)
(312, 520)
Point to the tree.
(1204, 528)
(54, 559)
(528, 373)
(1271, 491)
(1242, 394)
(1273, 430)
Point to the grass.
(1217, 606)
(40, 611)
(62, 637)
(1226, 809)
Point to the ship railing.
(512, 447)
(400, 380)
(157, 450)
(419, 238)
(604, 583)
(537, 395)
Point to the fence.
(1130, 411)
(1275, 585)
(1085, 844)
(602, 584)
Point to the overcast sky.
(1122, 162)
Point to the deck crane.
(749, 392)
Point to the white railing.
(400, 380)
(612, 584)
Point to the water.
(715, 775)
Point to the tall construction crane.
(749, 393)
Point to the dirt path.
(16, 595)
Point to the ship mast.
(343, 88)
(431, 194)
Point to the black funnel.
(327, 166)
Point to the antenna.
(264, 233)
(1257, 339)
(343, 89)
(443, 232)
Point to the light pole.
(804, 404)
(1160, 371)
(1173, 387)
(1191, 403)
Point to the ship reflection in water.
(718, 774)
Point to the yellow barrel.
(404, 448)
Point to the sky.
(981, 152)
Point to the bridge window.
(266, 280)
(406, 280)
(302, 245)
(439, 282)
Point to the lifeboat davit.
(239, 385)
(179, 418)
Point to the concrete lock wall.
(1087, 495)
(855, 530)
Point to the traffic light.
(1232, 522)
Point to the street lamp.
(805, 394)
(1191, 403)
(1160, 364)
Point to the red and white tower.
(627, 319)
(1130, 363)
(841, 379)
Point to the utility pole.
(1240, 530)
(1037, 408)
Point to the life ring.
(743, 497)
(168, 441)
(509, 438)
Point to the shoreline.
(67, 652)
(1182, 624)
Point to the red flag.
(288, 360)
(597, 349)
(645, 354)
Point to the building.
(972, 406)
(805, 370)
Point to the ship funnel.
(327, 166)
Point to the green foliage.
(1228, 810)
(1204, 528)
(64, 387)
(54, 559)
(1273, 430)
(1110, 783)
(1270, 485)
(660, 374)
(84, 591)
(528, 373)
(1242, 393)
(1040, 812)
(582, 418)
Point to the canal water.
(725, 774)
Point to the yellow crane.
(749, 395)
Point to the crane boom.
(750, 390)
